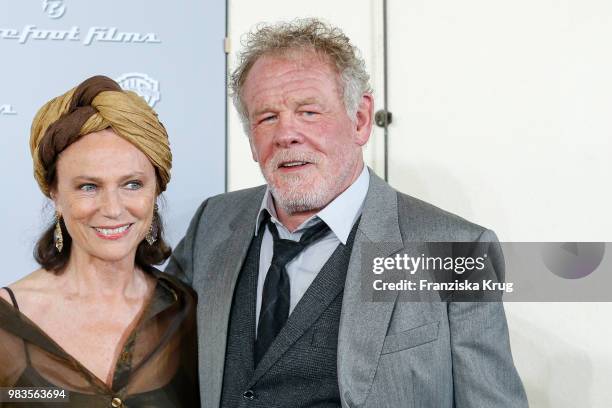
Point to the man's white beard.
(294, 197)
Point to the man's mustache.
(286, 156)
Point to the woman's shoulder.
(5, 296)
(30, 284)
(33, 293)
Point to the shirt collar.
(339, 215)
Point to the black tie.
(276, 291)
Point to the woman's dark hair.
(47, 255)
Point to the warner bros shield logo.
(145, 86)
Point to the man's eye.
(268, 118)
(87, 187)
(309, 113)
(133, 185)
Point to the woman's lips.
(113, 233)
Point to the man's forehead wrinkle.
(275, 100)
(278, 82)
(294, 88)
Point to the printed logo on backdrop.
(94, 34)
(54, 8)
(7, 110)
(143, 85)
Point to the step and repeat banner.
(170, 53)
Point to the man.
(277, 268)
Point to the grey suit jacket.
(390, 354)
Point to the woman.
(96, 319)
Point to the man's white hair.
(303, 35)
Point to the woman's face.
(105, 192)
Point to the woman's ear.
(53, 196)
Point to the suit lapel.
(364, 323)
(327, 285)
(216, 296)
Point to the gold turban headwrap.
(97, 104)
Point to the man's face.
(307, 147)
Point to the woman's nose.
(112, 206)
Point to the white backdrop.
(502, 115)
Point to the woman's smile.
(113, 232)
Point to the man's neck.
(293, 221)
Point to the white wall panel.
(502, 115)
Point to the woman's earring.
(151, 236)
(57, 234)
